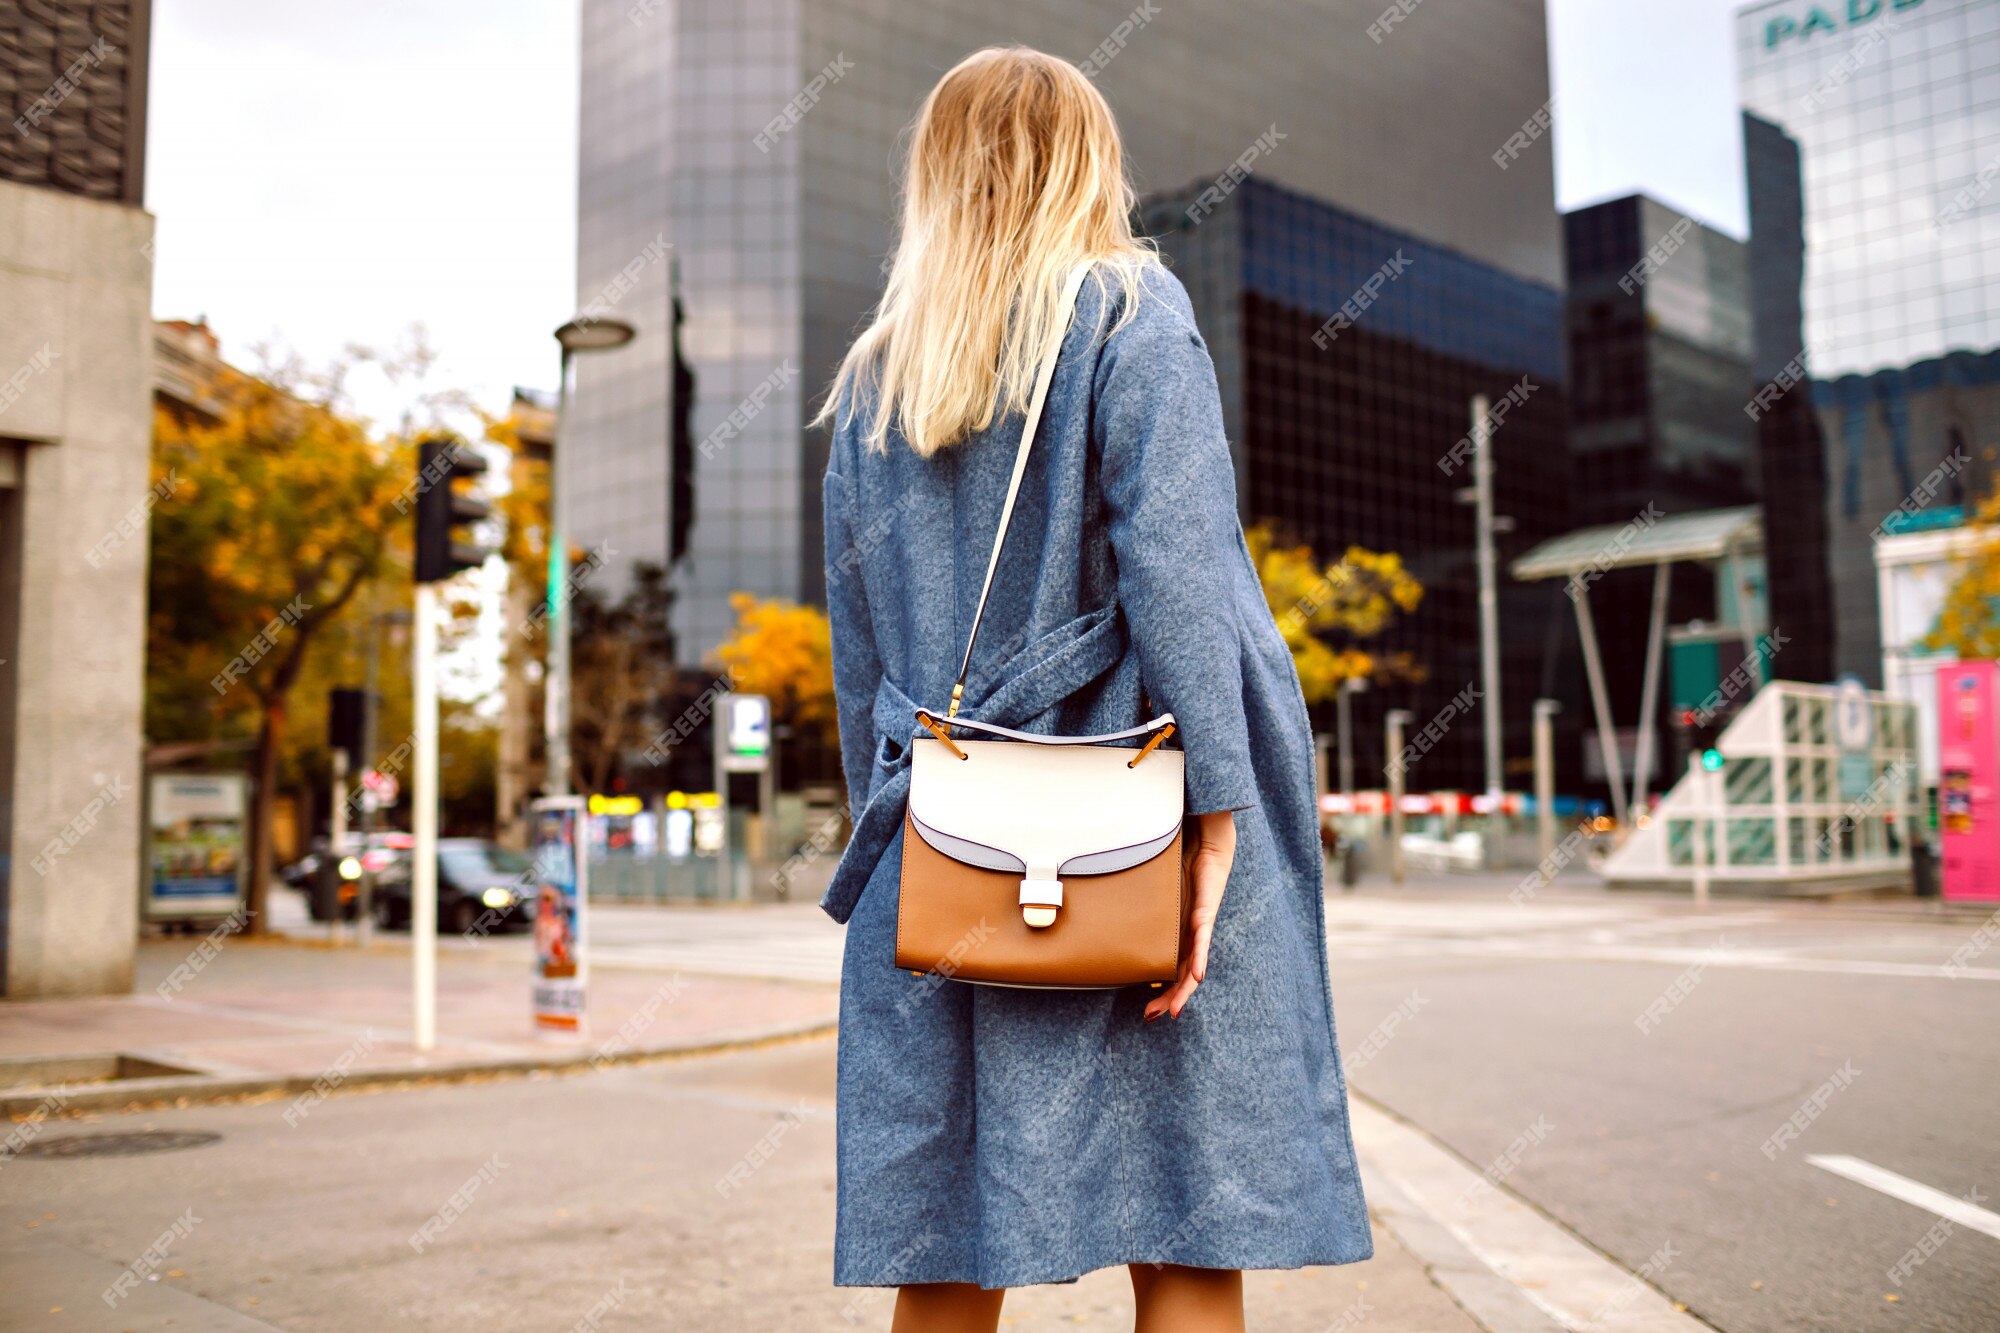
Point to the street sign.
(196, 840)
(745, 733)
(562, 881)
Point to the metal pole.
(725, 875)
(336, 834)
(1483, 483)
(424, 822)
(1649, 693)
(1395, 720)
(556, 680)
(1698, 827)
(1343, 711)
(364, 906)
(1607, 740)
(1545, 781)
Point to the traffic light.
(442, 509)
(346, 719)
(1704, 733)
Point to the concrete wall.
(76, 339)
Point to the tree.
(282, 510)
(783, 650)
(1968, 622)
(1354, 600)
(621, 669)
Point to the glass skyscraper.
(759, 140)
(1894, 106)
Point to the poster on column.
(562, 880)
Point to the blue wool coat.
(1008, 1137)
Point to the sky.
(320, 185)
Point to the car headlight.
(497, 897)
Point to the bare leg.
(946, 1307)
(1173, 1299)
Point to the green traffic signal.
(1711, 760)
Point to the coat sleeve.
(1170, 488)
(857, 669)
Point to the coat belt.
(1031, 683)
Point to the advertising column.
(562, 881)
(1969, 780)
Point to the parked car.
(480, 886)
(381, 851)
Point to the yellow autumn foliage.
(1356, 598)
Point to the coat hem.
(1256, 1261)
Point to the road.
(1627, 1065)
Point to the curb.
(195, 1089)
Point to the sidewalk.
(272, 1016)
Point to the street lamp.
(585, 333)
(1344, 713)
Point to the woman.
(993, 1137)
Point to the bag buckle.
(1039, 900)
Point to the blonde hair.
(1015, 175)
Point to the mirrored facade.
(760, 140)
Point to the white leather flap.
(1046, 810)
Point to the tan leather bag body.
(1045, 861)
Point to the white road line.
(1913, 1192)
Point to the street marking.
(1913, 1192)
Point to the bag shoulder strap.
(1043, 379)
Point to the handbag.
(1041, 861)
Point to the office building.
(760, 142)
(1895, 108)
(1348, 354)
(75, 451)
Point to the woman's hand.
(1209, 870)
